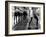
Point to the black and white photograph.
(24, 18)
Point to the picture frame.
(23, 6)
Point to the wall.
(2, 19)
